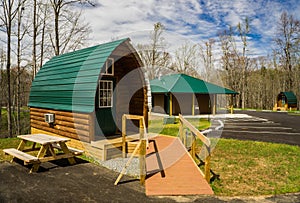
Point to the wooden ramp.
(172, 171)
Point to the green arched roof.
(69, 82)
(181, 83)
(290, 97)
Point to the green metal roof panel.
(181, 83)
(69, 82)
(291, 97)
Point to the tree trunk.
(34, 40)
(56, 33)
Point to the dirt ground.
(87, 182)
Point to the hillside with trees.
(33, 31)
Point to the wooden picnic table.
(46, 150)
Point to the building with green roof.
(286, 101)
(87, 91)
(180, 93)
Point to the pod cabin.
(83, 94)
(286, 101)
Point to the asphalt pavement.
(276, 127)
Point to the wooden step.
(27, 158)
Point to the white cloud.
(187, 19)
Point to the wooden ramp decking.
(172, 171)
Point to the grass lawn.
(24, 122)
(245, 167)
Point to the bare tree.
(186, 60)
(243, 30)
(20, 36)
(206, 56)
(154, 55)
(2, 63)
(8, 13)
(66, 18)
(229, 62)
(287, 41)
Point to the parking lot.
(277, 127)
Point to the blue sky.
(189, 20)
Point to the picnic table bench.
(46, 150)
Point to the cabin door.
(106, 110)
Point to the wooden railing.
(141, 147)
(196, 135)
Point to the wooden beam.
(207, 164)
(142, 160)
(124, 136)
(170, 104)
(193, 104)
(194, 130)
(214, 104)
(231, 104)
(127, 164)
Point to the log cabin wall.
(67, 124)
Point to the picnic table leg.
(41, 154)
(67, 151)
(20, 147)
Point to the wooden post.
(207, 164)
(181, 130)
(124, 136)
(214, 104)
(142, 159)
(142, 134)
(193, 104)
(231, 104)
(171, 105)
(127, 164)
(142, 156)
(193, 147)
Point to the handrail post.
(181, 130)
(124, 136)
(193, 147)
(207, 164)
(142, 156)
(142, 160)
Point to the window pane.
(105, 94)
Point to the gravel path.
(118, 164)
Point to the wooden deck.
(172, 171)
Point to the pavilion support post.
(171, 104)
(231, 103)
(214, 104)
(193, 104)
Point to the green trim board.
(182, 83)
(69, 81)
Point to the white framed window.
(105, 93)
(109, 67)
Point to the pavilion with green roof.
(181, 93)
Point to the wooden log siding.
(67, 124)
